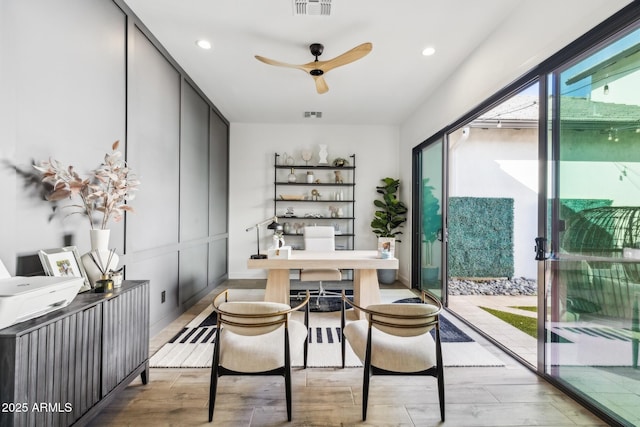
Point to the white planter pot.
(387, 276)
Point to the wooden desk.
(366, 290)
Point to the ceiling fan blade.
(346, 58)
(321, 85)
(318, 68)
(278, 63)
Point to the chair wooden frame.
(376, 319)
(281, 318)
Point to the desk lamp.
(272, 226)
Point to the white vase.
(100, 251)
(323, 154)
(292, 176)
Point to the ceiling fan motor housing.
(316, 49)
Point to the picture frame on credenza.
(64, 262)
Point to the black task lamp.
(272, 226)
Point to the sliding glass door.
(430, 273)
(591, 324)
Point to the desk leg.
(277, 286)
(366, 290)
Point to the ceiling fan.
(317, 68)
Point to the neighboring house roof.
(519, 107)
(585, 110)
(522, 111)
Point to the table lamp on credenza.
(273, 225)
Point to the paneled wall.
(76, 75)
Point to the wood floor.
(475, 396)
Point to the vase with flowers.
(103, 197)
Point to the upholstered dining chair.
(256, 338)
(320, 238)
(395, 339)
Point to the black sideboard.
(62, 368)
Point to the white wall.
(502, 163)
(252, 147)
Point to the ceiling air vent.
(312, 7)
(316, 114)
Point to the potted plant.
(388, 219)
(431, 230)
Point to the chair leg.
(213, 386)
(306, 342)
(441, 391)
(287, 390)
(212, 391)
(365, 389)
(367, 376)
(440, 371)
(320, 293)
(287, 373)
(342, 325)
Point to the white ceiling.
(384, 87)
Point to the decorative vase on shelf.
(323, 154)
(292, 176)
(100, 260)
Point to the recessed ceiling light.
(428, 51)
(204, 44)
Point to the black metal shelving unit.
(317, 210)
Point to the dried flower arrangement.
(106, 191)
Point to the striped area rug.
(192, 347)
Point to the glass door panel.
(491, 217)
(431, 229)
(592, 330)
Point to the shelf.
(328, 190)
(337, 235)
(321, 184)
(325, 167)
(311, 217)
(315, 201)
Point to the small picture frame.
(386, 247)
(64, 262)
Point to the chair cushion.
(390, 352)
(317, 275)
(259, 353)
(252, 307)
(404, 310)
